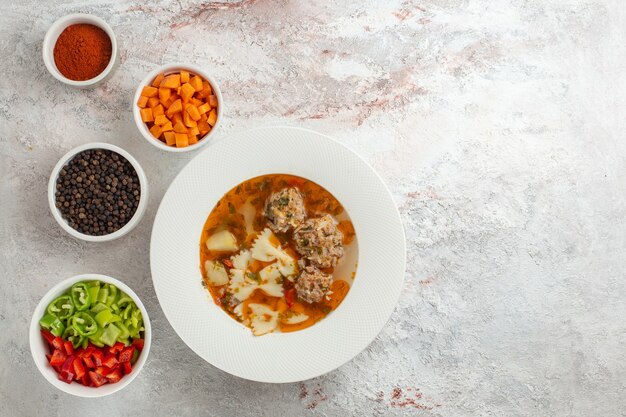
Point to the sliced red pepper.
(47, 335)
(88, 352)
(117, 347)
(69, 347)
(96, 379)
(138, 343)
(68, 365)
(48, 356)
(79, 368)
(98, 357)
(127, 368)
(84, 380)
(66, 376)
(126, 354)
(101, 370)
(57, 343)
(89, 363)
(58, 357)
(291, 297)
(114, 376)
(110, 361)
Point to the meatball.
(319, 241)
(285, 209)
(312, 284)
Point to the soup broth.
(278, 253)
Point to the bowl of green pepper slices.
(90, 335)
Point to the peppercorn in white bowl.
(108, 196)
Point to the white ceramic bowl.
(143, 201)
(168, 69)
(226, 343)
(50, 40)
(39, 347)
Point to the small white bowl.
(143, 200)
(39, 347)
(168, 69)
(50, 40)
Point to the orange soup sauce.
(241, 212)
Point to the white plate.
(205, 327)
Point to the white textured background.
(498, 125)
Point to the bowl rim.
(49, 43)
(143, 200)
(230, 362)
(168, 68)
(37, 344)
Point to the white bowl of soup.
(277, 246)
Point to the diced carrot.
(193, 139)
(184, 76)
(186, 91)
(212, 118)
(177, 118)
(164, 94)
(182, 140)
(143, 101)
(157, 110)
(170, 138)
(156, 131)
(196, 102)
(188, 121)
(146, 115)
(213, 101)
(196, 83)
(175, 107)
(193, 130)
(167, 126)
(178, 91)
(203, 126)
(158, 79)
(193, 112)
(149, 91)
(153, 102)
(160, 119)
(180, 128)
(171, 81)
(206, 86)
(204, 108)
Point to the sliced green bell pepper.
(105, 317)
(52, 324)
(72, 334)
(84, 323)
(61, 307)
(80, 296)
(110, 334)
(98, 307)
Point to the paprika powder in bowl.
(80, 50)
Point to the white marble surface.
(498, 125)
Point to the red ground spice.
(82, 51)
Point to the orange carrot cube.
(184, 76)
(206, 86)
(196, 102)
(157, 80)
(142, 102)
(158, 109)
(170, 138)
(156, 131)
(196, 83)
(153, 102)
(146, 115)
(186, 91)
(164, 94)
(212, 118)
(213, 101)
(171, 81)
(177, 118)
(182, 140)
(149, 91)
(160, 119)
(203, 127)
(204, 108)
(193, 112)
(193, 139)
(188, 121)
(167, 126)
(175, 107)
(179, 127)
